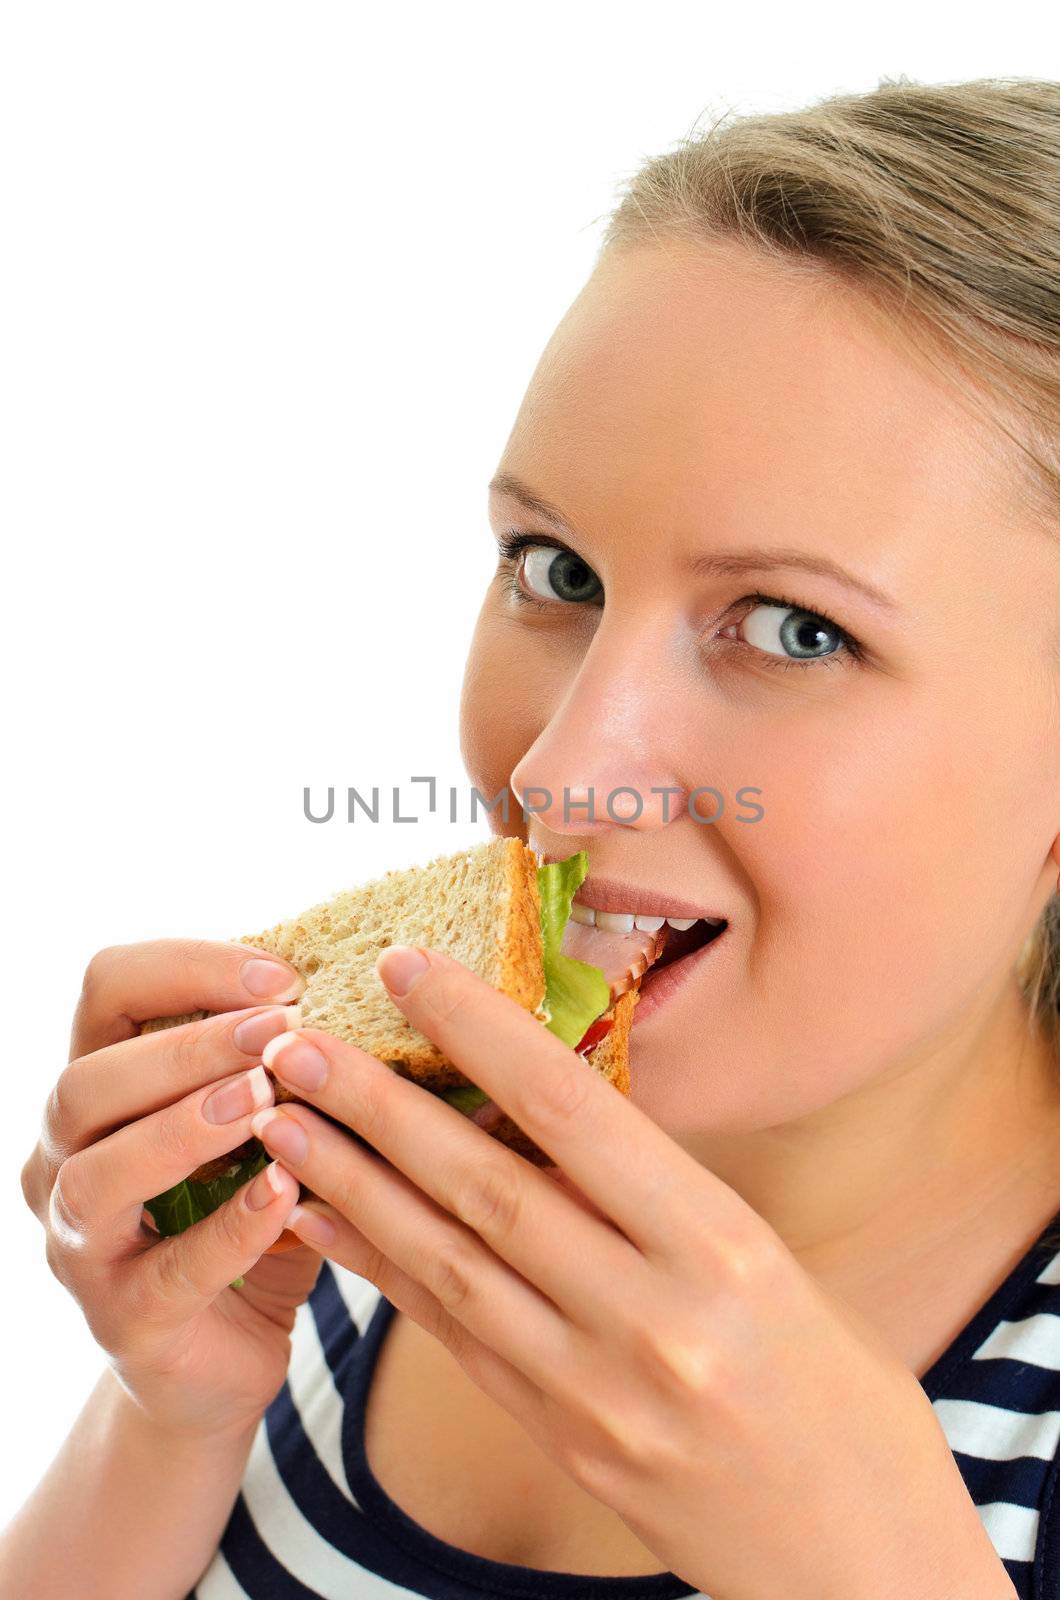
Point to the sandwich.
(492, 907)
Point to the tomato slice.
(593, 1034)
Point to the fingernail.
(265, 1187)
(311, 1226)
(296, 1061)
(400, 966)
(271, 981)
(282, 1134)
(249, 1092)
(254, 1034)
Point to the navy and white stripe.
(312, 1523)
(996, 1392)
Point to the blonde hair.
(941, 204)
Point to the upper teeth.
(626, 921)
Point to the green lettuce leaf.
(189, 1201)
(463, 1096)
(575, 992)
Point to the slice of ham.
(623, 958)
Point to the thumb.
(191, 1268)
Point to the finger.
(183, 1274)
(522, 1216)
(121, 1082)
(328, 1231)
(436, 1251)
(128, 984)
(97, 1199)
(638, 1176)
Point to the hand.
(646, 1328)
(125, 1122)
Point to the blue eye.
(790, 631)
(547, 574)
(550, 572)
(559, 575)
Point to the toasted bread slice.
(482, 907)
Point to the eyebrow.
(729, 563)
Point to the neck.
(922, 1156)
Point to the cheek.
(511, 686)
(889, 816)
(890, 884)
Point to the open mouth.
(624, 957)
(680, 943)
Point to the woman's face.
(700, 404)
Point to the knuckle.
(451, 1272)
(744, 1265)
(192, 955)
(59, 1120)
(487, 1198)
(141, 1287)
(560, 1096)
(614, 1438)
(233, 1219)
(375, 1266)
(593, 1469)
(69, 1205)
(441, 1326)
(170, 1136)
(55, 1254)
(173, 1277)
(93, 973)
(99, 972)
(675, 1356)
(184, 1050)
(30, 1181)
(187, 962)
(370, 1107)
(745, 1261)
(449, 996)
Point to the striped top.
(311, 1522)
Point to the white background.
(274, 280)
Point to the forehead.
(707, 387)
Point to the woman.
(777, 515)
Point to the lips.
(665, 978)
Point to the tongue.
(623, 958)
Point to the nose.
(608, 756)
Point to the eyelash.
(511, 545)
